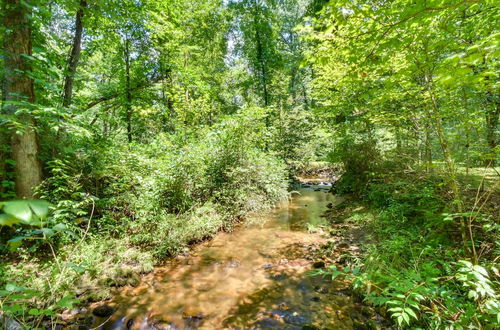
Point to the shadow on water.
(254, 277)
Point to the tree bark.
(128, 91)
(260, 57)
(19, 95)
(74, 57)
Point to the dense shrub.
(146, 202)
(415, 266)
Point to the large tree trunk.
(75, 55)
(20, 94)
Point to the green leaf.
(18, 209)
(34, 312)
(411, 313)
(60, 227)
(67, 302)
(15, 242)
(395, 309)
(8, 220)
(40, 208)
(406, 318)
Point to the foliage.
(412, 268)
(150, 202)
(184, 116)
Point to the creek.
(253, 277)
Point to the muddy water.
(254, 277)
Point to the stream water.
(254, 277)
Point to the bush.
(360, 159)
(413, 268)
(127, 206)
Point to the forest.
(132, 131)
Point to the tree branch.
(118, 94)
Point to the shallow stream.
(254, 277)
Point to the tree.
(20, 97)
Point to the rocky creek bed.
(255, 277)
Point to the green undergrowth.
(413, 266)
(117, 211)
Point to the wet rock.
(321, 290)
(11, 324)
(103, 311)
(85, 322)
(268, 323)
(316, 299)
(342, 293)
(319, 264)
(193, 321)
(267, 266)
(79, 310)
(279, 277)
(294, 318)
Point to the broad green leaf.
(40, 208)
(18, 209)
(8, 220)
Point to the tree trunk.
(75, 55)
(128, 90)
(19, 89)
(492, 117)
(167, 99)
(260, 57)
